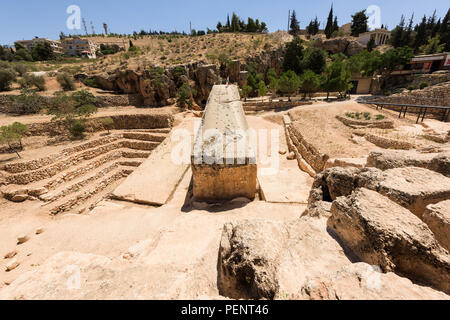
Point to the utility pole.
(289, 21)
(93, 29)
(85, 28)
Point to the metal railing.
(425, 107)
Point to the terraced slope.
(78, 177)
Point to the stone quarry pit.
(339, 211)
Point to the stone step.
(23, 166)
(162, 130)
(47, 172)
(145, 136)
(139, 144)
(123, 157)
(79, 183)
(73, 201)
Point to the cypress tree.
(295, 25)
(335, 24)
(444, 31)
(398, 33)
(329, 26)
(421, 34)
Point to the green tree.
(23, 55)
(421, 34)
(262, 89)
(246, 91)
(444, 31)
(42, 52)
(335, 25)
(235, 23)
(251, 25)
(219, 27)
(272, 81)
(337, 78)
(7, 76)
(289, 83)
(433, 46)
(309, 82)
(359, 23)
(398, 33)
(394, 58)
(73, 111)
(329, 27)
(294, 56)
(294, 27)
(313, 27)
(314, 59)
(11, 134)
(185, 95)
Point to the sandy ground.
(320, 126)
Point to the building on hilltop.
(54, 44)
(80, 47)
(381, 37)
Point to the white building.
(54, 44)
(80, 47)
(381, 37)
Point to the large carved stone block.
(223, 159)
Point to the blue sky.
(24, 19)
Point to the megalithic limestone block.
(223, 157)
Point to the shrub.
(77, 128)
(423, 85)
(84, 97)
(379, 117)
(72, 111)
(91, 83)
(184, 95)
(66, 81)
(107, 122)
(350, 115)
(20, 68)
(28, 102)
(36, 81)
(7, 76)
(13, 133)
(411, 87)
